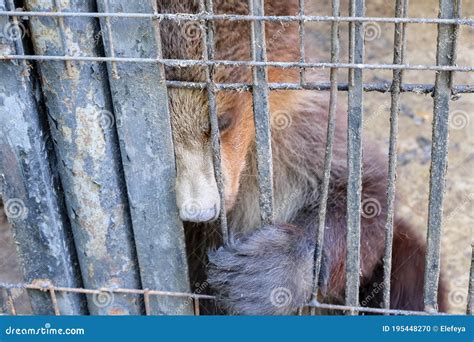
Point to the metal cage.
(110, 187)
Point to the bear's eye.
(225, 122)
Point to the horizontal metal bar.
(283, 65)
(238, 17)
(315, 304)
(147, 292)
(368, 87)
(47, 287)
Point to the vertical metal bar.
(354, 154)
(329, 149)
(302, 47)
(470, 293)
(140, 101)
(110, 41)
(64, 41)
(208, 54)
(54, 300)
(30, 186)
(398, 58)
(82, 126)
(146, 299)
(3, 302)
(196, 307)
(439, 152)
(11, 302)
(10, 5)
(261, 114)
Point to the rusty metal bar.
(110, 41)
(29, 184)
(262, 114)
(199, 297)
(208, 54)
(196, 307)
(318, 253)
(3, 300)
(140, 101)
(82, 127)
(301, 32)
(323, 86)
(46, 286)
(64, 40)
(146, 299)
(401, 8)
(237, 17)
(352, 309)
(254, 64)
(439, 152)
(354, 155)
(11, 302)
(54, 300)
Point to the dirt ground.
(414, 142)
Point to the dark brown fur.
(245, 273)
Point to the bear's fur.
(261, 266)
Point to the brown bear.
(260, 264)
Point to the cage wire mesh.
(59, 49)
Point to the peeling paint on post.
(83, 129)
(30, 189)
(141, 103)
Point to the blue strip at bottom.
(238, 329)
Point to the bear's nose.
(193, 212)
